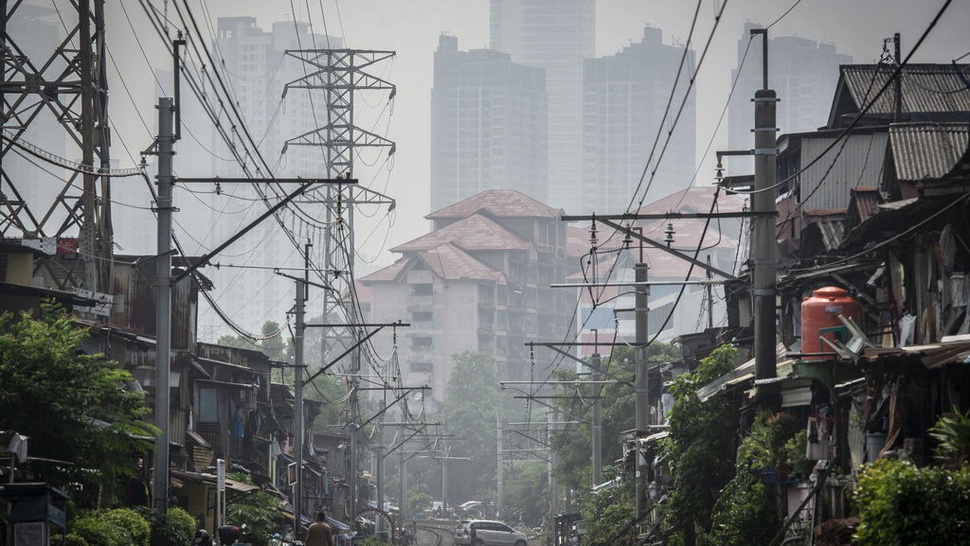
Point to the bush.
(176, 528)
(260, 511)
(135, 526)
(900, 504)
(72, 539)
(745, 513)
(95, 529)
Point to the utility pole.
(898, 84)
(553, 461)
(763, 244)
(597, 419)
(710, 295)
(163, 303)
(499, 484)
(298, 337)
(641, 397)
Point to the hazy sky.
(411, 28)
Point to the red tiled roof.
(451, 263)
(389, 273)
(694, 199)
(500, 203)
(477, 232)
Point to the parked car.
(483, 532)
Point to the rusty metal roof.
(927, 151)
(499, 203)
(925, 88)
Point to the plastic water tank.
(822, 311)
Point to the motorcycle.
(229, 534)
(202, 538)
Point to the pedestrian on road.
(320, 532)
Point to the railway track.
(435, 533)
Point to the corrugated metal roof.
(500, 203)
(863, 204)
(857, 162)
(926, 88)
(476, 232)
(927, 151)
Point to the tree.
(271, 342)
(73, 406)
(261, 512)
(470, 407)
(618, 402)
(700, 446)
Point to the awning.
(745, 372)
(955, 350)
(238, 367)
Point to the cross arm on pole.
(663, 247)
(300, 190)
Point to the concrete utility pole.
(499, 484)
(597, 419)
(163, 302)
(763, 245)
(642, 399)
(298, 337)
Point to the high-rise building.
(802, 72)
(556, 35)
(626, 97)
(256, 70)
(479, 282)
(488, 125)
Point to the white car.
(483, 532)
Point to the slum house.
(872, 242)
(222, 402)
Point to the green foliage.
(135, 526)
(526, 487)
(118, 527)
(700, 446)
(470, 408)
(260, 511)
(371, 541)
(272, 346)
(745, 513)
(607, 512)
(618, 402)
(793, 453)
(72, 539)
(764, 445)
(900, 504)
(953, 434)
(175, 528)
(74, 406)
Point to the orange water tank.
(822, 311)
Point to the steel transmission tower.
(70, 86)
(340, 74)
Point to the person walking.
(320, 533)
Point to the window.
(421, 316)
(208, 406)
(422, 289)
